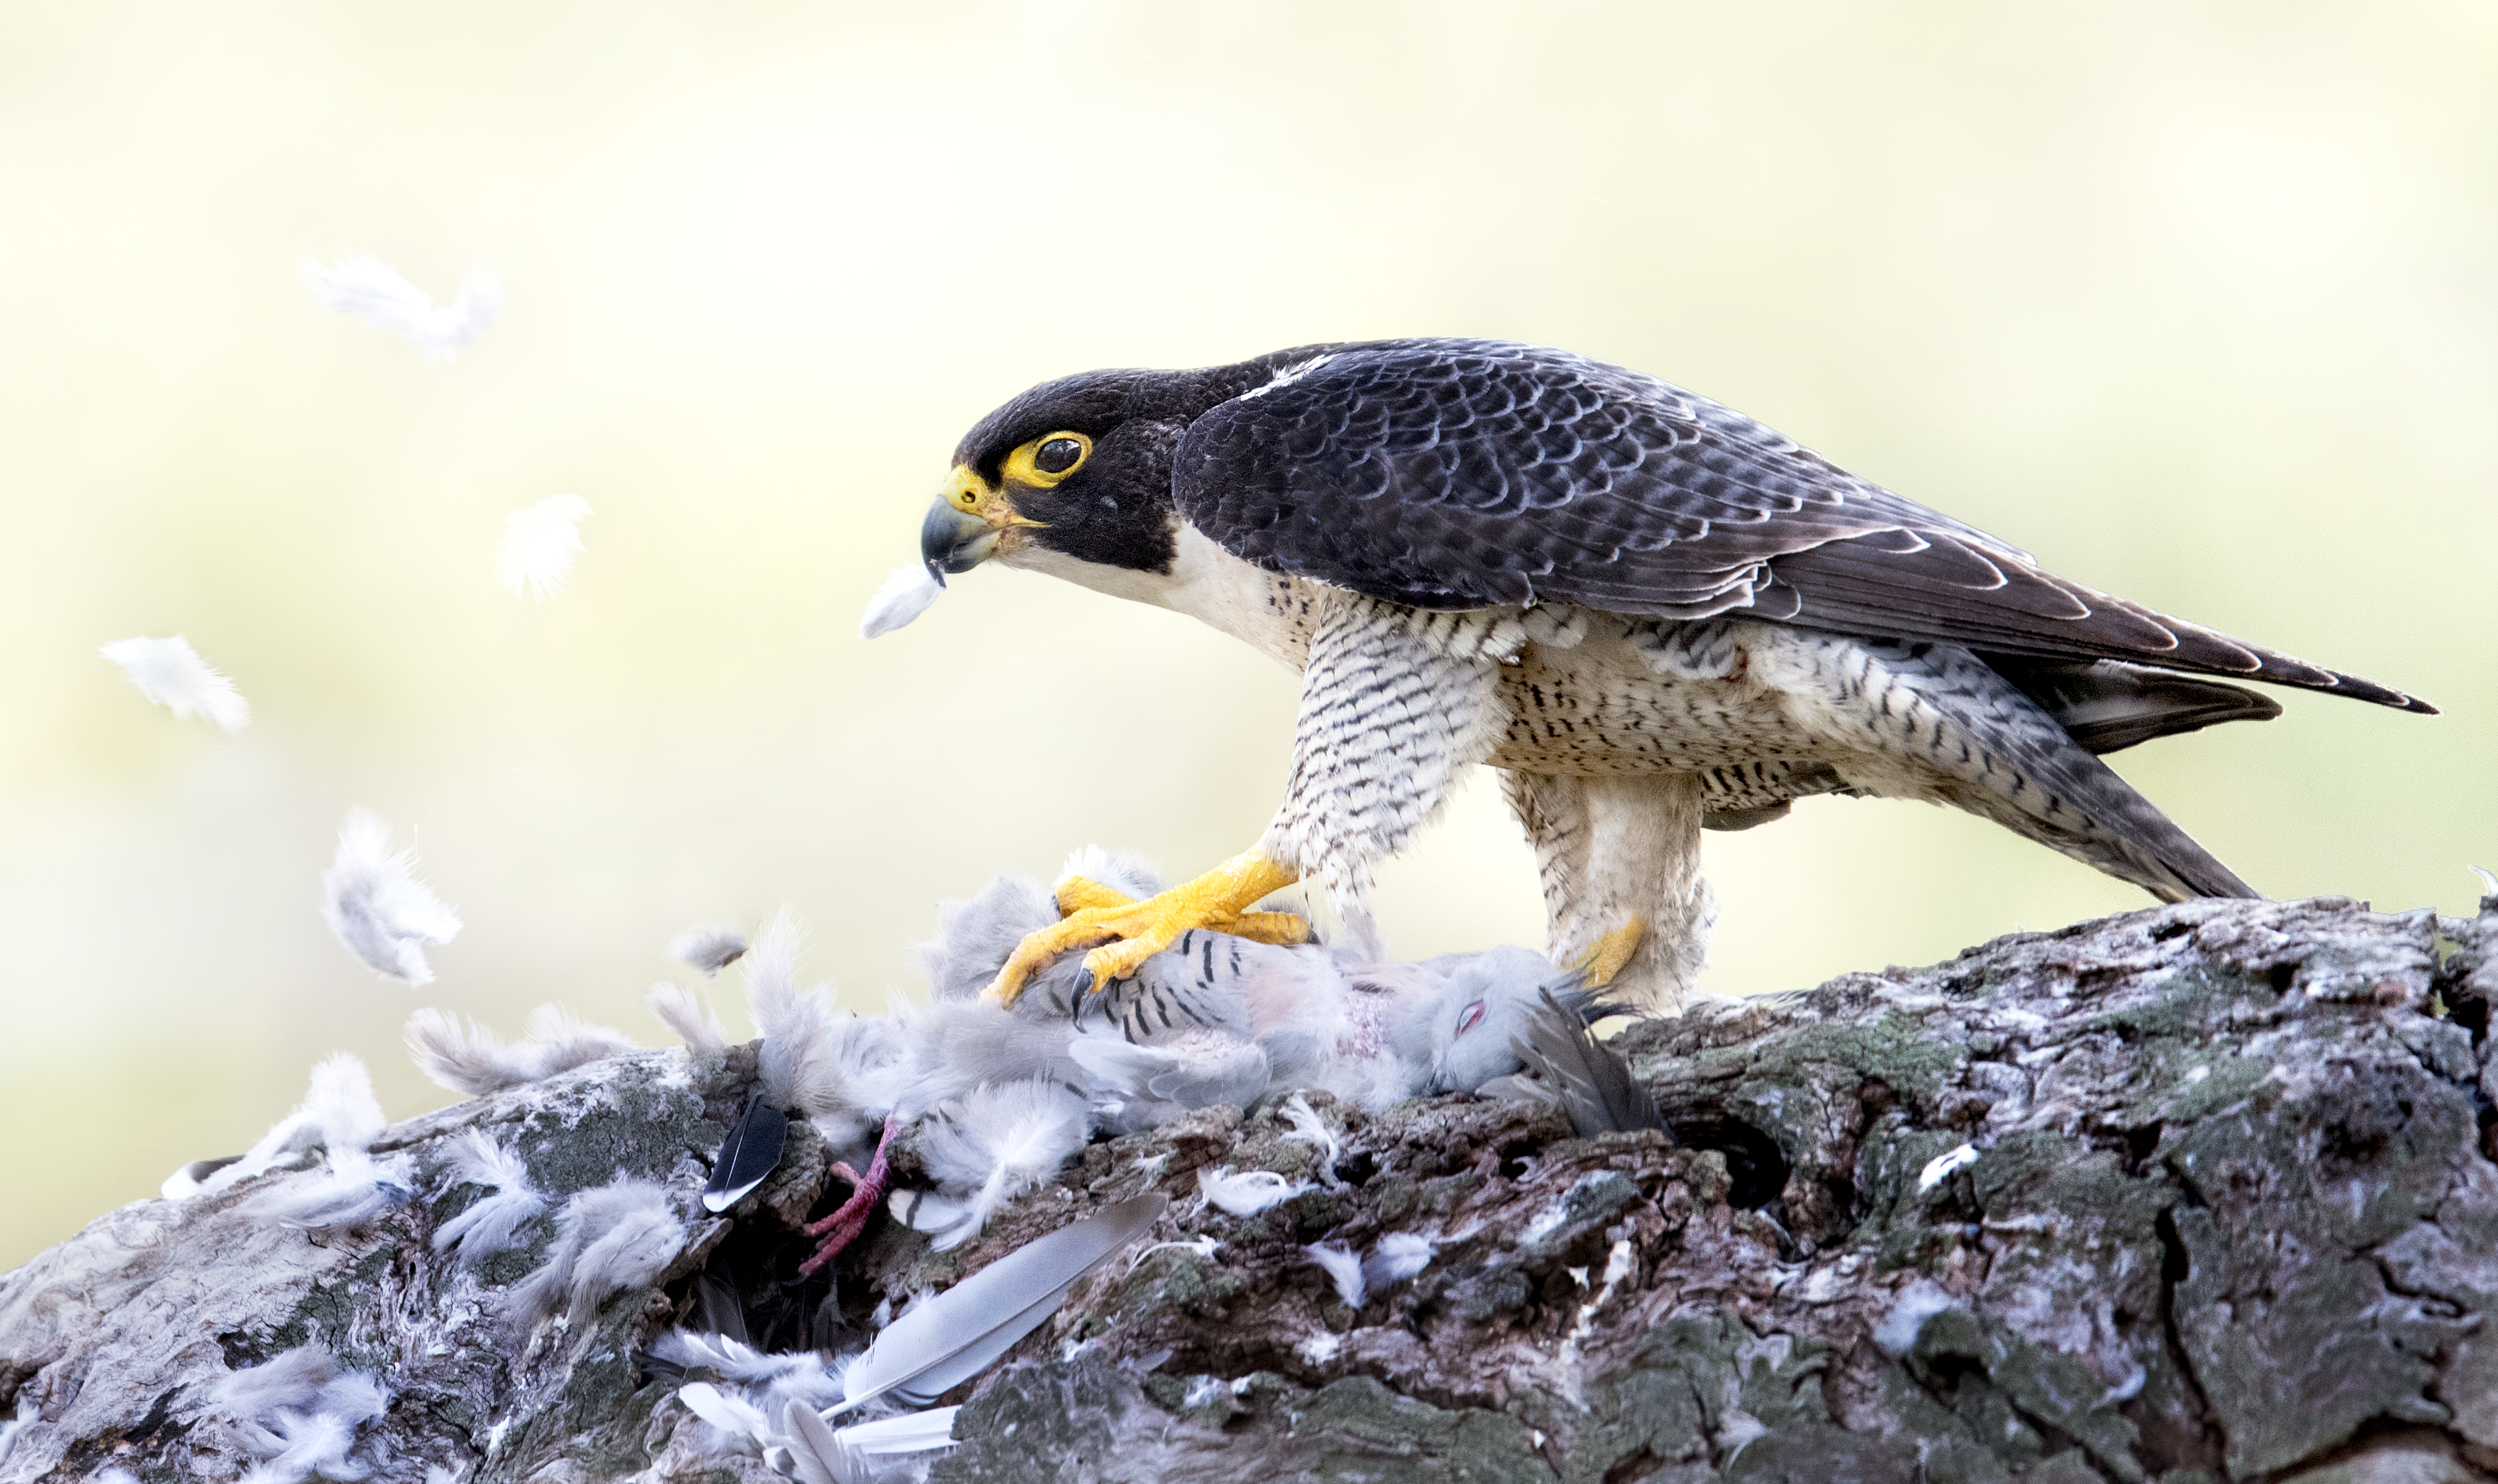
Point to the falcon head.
(1079, 468)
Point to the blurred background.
(2195, 301)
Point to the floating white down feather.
(374, 292)
(371, 900)
(171, 673)
(711, 948)
(540, 542)
(905, 597)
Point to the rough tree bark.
(2231, 1216)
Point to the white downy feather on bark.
(171, 673)
(371, 900)
(688, 1014)
(1204, 1244)
(711, 947)
(339, 1112)
(476, 1061)
(353, 1189)
(298, 1413)
(735, 1361)
(341, 1100)
(540, 542)
(619, 1235)
(373, 292)
(490, 1223)
(995, 1143)
(1247, 1193)
(1342, 1266)
(905, 597)
(1396, 1257)
(1311, 1129)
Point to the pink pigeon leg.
(843, 1228)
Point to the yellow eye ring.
(1031, 466)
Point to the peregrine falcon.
(1652, 613)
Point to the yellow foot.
(1606, 957)
(1133, 932)
(1078, 894)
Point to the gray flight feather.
(1591, 1081)
(961, 1332)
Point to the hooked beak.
(954, 540)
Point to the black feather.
(749, 1155)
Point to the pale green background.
(2195, 301)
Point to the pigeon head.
(1461, 1029)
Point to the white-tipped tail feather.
(171, 673)
(371, 900)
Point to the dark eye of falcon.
(1057, 455)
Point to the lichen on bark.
(2204, 1192)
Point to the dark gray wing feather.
(1449, 474)
(1591, 1079)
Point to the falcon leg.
(1605, 961)
(1133, 932)
(1393, 703)
(1617, 851)
(843, 1228)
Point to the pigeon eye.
(1057, 455)
(1468, 1019)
